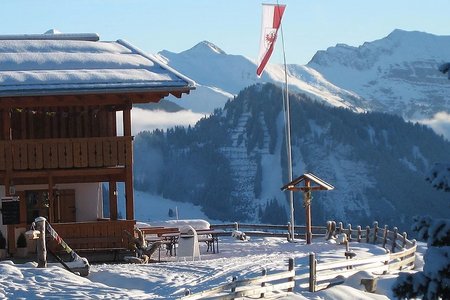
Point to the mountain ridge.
(397, 74)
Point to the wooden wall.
(68, 122)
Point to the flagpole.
(286, 104)
(271, 22)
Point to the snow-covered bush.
(434, 281)
(439, 176)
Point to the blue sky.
(233, 25)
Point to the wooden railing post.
(40, 243)
(367, 234)
(404, 238)
(349, 232)
(312, 272)
(394, 240)
(414, 245)
(340, 228)
(385, 234)
(291, 268)
(359, 233)
(375, 232)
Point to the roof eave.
(90, 91)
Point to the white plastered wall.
(88, 198)
(88, 202)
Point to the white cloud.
(152, 119)
(440, 123)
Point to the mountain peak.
(205, 47)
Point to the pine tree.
(434, 281)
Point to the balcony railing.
(71, 153)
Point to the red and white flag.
(271, 21)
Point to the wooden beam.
(303, 189)
(308, 212)
(51, 202)
(6, 116)
(129, 197)
(60, 101)
(81, 172)
(86, 99)
(127, 122)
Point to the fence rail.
(269, 230)
(258, 286)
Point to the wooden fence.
(269, 230)
(258, 286)
(400, 254)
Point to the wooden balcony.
(46, 154)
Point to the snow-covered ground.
(170, 279)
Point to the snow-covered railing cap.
(53, 34)
(315, 183)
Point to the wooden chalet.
(60, 95)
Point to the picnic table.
(169, 236)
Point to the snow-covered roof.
(55, 64)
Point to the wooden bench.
(210, 237)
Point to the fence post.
(312, 272)
(263, 284)
(340, 227)
(375, 232)
(414, 244)
(405, 237)
(290, 268)
(40, 244)
(349, 232)
(367, 234)
(385, 234)
(233, 288)
(394, 240)
(359, 233)
(236, 226)
(333, 227)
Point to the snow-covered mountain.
(221, 76)
(231, 163)
(397, 74)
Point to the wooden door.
(65, 210)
